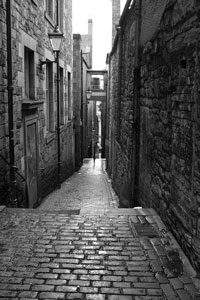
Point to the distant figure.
(94, 151)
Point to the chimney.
(90, 40)
(115, 17)
(90, 27)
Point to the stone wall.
(169, 116)
(77, 96)
(169, 176)
(30, 28)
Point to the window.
(69, 95)
(29, 74)
(61, 15)
(49, 8)
(61, 97)
(51, 12)
(49, 98)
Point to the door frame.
(29, 120)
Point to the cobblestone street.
(79, 245)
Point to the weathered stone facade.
(168, 116)
(31, 23)
(80, 67)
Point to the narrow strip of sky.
(100, 11)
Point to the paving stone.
(51, 254)
(51, 295)
(121, 297)
(183, 295)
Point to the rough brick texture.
(169, 116)
(30, 28)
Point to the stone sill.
(31, 104)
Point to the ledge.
(31, 104)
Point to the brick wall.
(30, 28)
(169, 176)
(77, 96)
(115, 16)
(169, 117)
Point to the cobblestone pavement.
(102, 253)
(88, 188)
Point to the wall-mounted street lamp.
(89, 94)
(56, 38)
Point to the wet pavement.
(89, 188)
(79, 245)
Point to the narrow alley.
(79, 245)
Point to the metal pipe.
(13, 184)
(82, 137)
(58, 105)
(136, 123)
(58, 116)
(119, 84)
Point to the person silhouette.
(94, 151)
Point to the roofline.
(121, 20)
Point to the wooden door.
(31, 159)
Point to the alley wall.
(35, 98)
(166, 171)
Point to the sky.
(100, 11)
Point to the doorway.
(31, 159)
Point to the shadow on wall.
(125, 195)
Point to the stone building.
(35, 114)
(82, 57)
(80, 66)
(154, 88)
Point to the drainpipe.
(58, 106)
(81, 107)
(136, 105)
(13, 184)
(119, 29)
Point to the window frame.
(29, 73)
(69, 96)
(62, 111)
(50, 120)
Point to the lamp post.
(56, 38)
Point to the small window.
(29, 73)
(49, 8)
(69, 96)
(49, 98)
(61, 15)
